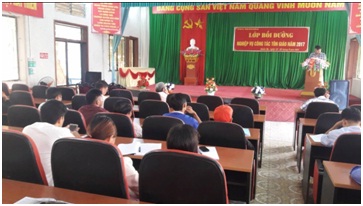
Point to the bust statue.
(192, 45)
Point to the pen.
(139, 149)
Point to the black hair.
(101, 84)
(92, 95)
(52, 93)
(183, 137)
(351, 114)
(122, 107)
(52, 110)
(176, 101)
(319, 92)
(317, 47)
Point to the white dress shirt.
(137, 128)
(132, 178)
(44, 135)
(330, 138)
(316, 99)
(163, 96)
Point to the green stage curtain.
(273, 69)
(165, 46)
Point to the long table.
(237, 164)
(13, 191)
(303, 122)
(38, 101)
(313, 150)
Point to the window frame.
(17, 47)
(125, 52)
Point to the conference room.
(181, 102)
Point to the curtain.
(273, 69)
(117, 38)
(164, 48)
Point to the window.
(74, 9)
(127, 53)
(71, 53)
(10, 45)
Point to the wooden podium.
(191, 69)
(313, 79)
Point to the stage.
(280, 103)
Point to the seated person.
(224, 113)
(45, 133)
(54, 93)
(162, 90)
(103, 86)
(5, 103)
(350, 123)
(321, 95)
(94, 105)
(103, 128)
(183, 137)
(126, 109)
(178, 106)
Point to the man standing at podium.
(318, 53)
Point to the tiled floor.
(278, 181)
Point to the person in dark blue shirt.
(178, 106)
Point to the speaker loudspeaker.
(339, 93)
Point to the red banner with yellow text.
(355, 18)
(271, 39)
(194, 26)
(251, 7)
(29, 9)
(106, 18)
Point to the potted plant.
(258, 92)
(210, 86)
(143, 82)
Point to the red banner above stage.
(355, 18)
(29, 9)
(106, 18)
(250, 7)
(194, 26)
(271, 39)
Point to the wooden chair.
(211, 101)
(20, 158)
(89, 165)
(180, 177)
(252, 103)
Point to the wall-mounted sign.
(106, 18)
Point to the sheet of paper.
(212, 153)
(31, 200)
(247, 132)
(317, 137)
(147, 147)
(127, 149)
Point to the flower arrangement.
(258, 91)
(170, 86)
(210, 86)
(192, 52)
(315, 63)
(143, 82)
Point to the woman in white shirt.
(103, 128)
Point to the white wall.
(36, 35)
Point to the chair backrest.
(201, 110)
(179, 177)
(144, 95)
(242, 115)
(5, 89)
(222, 134)
(78, 101)
(89, 165)
(39, 91)
(187, 97)
(326, 121)
(157, 127)
(315, 109)
(111, 101)
(252, 103)
(357, 106)
(152, 107)
(123, 123)
(67, 93)
(21, 159)
(75, 117)
(211, 101)
(347, 148)
(22, 98)
(122, 93)
(20, 87)
(22, 115)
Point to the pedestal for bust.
(312, 80)
(191, 69)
